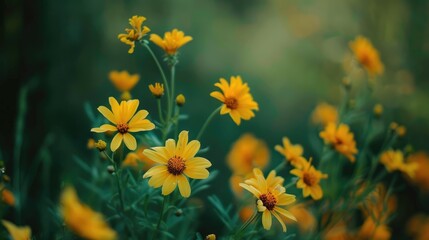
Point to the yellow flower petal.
(17, 233)
(196, 173)
(130, 141)
(266, 220)
(184, 187)
(155, 156)
(169, 184)
(107, 114)
(191, 149)
(116, 142)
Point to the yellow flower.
(7, 196)
(367, 55)
(137, 158)
(418, 227)
(341, 139)
(238, 101)
(17, 233)
(172, 41)
(338, 232)
(372, 230)
(157, 90)
(211, 237)
(123, 80)
(378, 110)
(91, 143)
(421, 177)
(246, 213)
(82, 220)
(394, 160)
(305, 219)
(309, 179)
(180, 100)
(100, 145)
(125, 120)
(271, 197)
(324, 114)
(177, 162)
(135, 33)
(247, 153)
(292, 153)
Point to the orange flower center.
(365, 60)
(231, 103)
(269, 200)
(309, 179)
(176, 165)
(122, 128)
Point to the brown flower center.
(309, 179)
(231, 103)
(269, 200)
(122, 127)
(176, 165)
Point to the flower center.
(231, 103)
(338, 141)
(122, 127)
(176, 165)
(269, 200)
(309, 179)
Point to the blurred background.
(291, 53)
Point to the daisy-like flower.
(236, 98)
(367, 55)
(272, 197)
(123, 80)
(341, 139)
(125, 120)
(137, 32)
(177, 163)
(82, 220)
(157, 90)
(394, 160)
(309, 180)
(292, 153)
(172, 41)
(17, 233)
(324, 113)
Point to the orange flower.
(309, 179)
(367, 55)
(172, 41)
(421, 177)
(324, 113)
(341, 139)
(292, 153)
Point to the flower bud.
(211, 237)
(101, 145)
(125, 96)
(157, 90)
(180, 100)
(110, 169)
(178, 213)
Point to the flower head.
(394, 160)
(292, 153)
(378, 110)
(271, 197)
(157, 90)
(341, 139)
(309, 180)
(172, 41)
(83, 220)
(135, 33)
(125, 120)
(236, 98)
(123, 80)
(177, 162)
(17, 233)
(367, 55)
(180, 100)
(324, 113)
(100, 145)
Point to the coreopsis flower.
(125, 120)
(394, 160)
(137, 158)
(137, 32)
(82, 220)
(157, 90)
(292, 153)
(271, 197)
(367, 55)
(309, 180)
(324, 113)
(421, 177)
(305, 219)
(178, 163)
(341, 139)
(372, 230)
(123, 80)
(7, 196)
(172, 41)
(17, 233)
(100, 145)
(180, 100)
(247, 153)
(236, 99)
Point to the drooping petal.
(184, 187)
(266, 220)
(169, 185)
(235, 117)
(285, 213)
(130, 141)
(116, 142)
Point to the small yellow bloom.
(136, 33)
(177, 162)
(271, 197)
(17, 233)
(378, 110)
(305, 219)
(91, 143)
(101, 145)
(211, 237)
(324, 114)
(236, 99)
(7, 196)
(394, 160)
(246, 213)
(292, 153)
(309, 180)
(82, 220)
(157, 90)
(341, 139)
(137, 159)
(123, 80)
(125, 120)
(367, 55)
(421, 174)
(401, 130)
(180, 100)
(172, 41)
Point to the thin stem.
(121, 200)
(203, 128)
(161, 216)
(245, 225)
(161, 118)
(173, 76)
(176, 129)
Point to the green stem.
(161, 216)
(121, 200)
(203, 128)
(173, 76)
(176, 129)
(161, 118)
(245, 225)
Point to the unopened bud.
(178, 213)
(180, 100)
(378, 110)
(125, 96)
(101, 145)
(157, 90)
(110, 169)
(211, 237)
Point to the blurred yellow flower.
(378, 110)
(125, 120)
(418, 227)
(367, 55)
(271, 197)
(17, 233)
(373, 230)
(292, 153)
(247, 153)
(338, 232)
(7, 196)
(211, 237)
(82, 220)
(378, 206)
(309, 179)
(137, 159)
(91, 143)
(341, 139)
(305, 219)
(180, 100)
(421, 177)
(172, 41)
(157, 90)
(394, 160)
(236, 98)
(177, 162)
(123, 80)
(246, 213)
(324, 113)
(135, 33)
